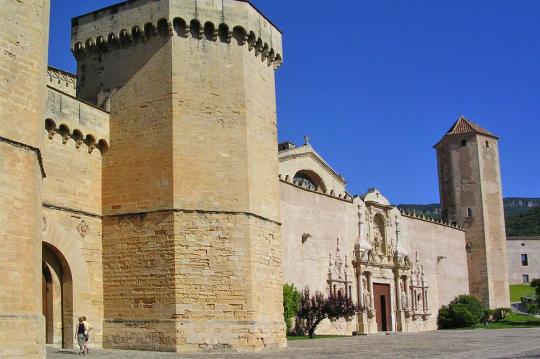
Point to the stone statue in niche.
(404, 297)
(377, 245)
(390, 248)
(379, 241)
(83, 229)
(366, 295)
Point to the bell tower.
(471, 197)
(191, 233)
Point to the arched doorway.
(57, 294)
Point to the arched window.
(309, 180)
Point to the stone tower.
(23, 65)
(471, 197)
(191, 233)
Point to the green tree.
(291, 304)
(535, 283)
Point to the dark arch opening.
(163, 27)
(240, 35)
(57, 297)
(210, 31)
(103, 146)
(309, 180)
(180, 27)
(195, 29)
(224, 33)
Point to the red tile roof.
(463, 125)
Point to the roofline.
(78, 99)
(60, 70)
(464, 134)
(128, 1)
(317, 156)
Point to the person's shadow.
(65, 351)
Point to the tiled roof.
(463, 125)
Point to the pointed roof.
(308, 151)
(463, 125)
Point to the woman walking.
(88, 329)
(81, 333)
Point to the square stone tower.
(471, 197)
(23, 66)
(191, 234)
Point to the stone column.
(363, 325)
(398, 290)
(370, 286)
(360, 288)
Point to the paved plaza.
(515, 343)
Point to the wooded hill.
(522, 215)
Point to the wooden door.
(381, 296)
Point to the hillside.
(524, 224)
(522, 214)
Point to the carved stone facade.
(385, 259)
(380, 259)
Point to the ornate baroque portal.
(381, 263)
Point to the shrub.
(501, 313)
(535, 283)
(291, 304)
(533, 309)
(463, 311)
(489, 316)
(318, 307)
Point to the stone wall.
(23, 59)
(306, 261)
(493, 213)
(72, 208)
(441, 250)
(523, 245)
(312, 222)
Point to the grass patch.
(513, 320)
(303, 337)
(520, 290)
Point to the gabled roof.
(463, 126)
(308, 151)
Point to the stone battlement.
(341, 196)
(136, 21)
(422, 217)
(62, 80)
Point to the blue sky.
(375, 84)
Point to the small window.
(469, 212)
(524, 260)
(525, 278)
(487, 144)
(463, 143)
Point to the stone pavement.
(514, 343)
